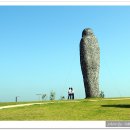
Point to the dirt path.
(30, 104)
(109, 99)
(21, 105)
(117, 99)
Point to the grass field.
(86, 109)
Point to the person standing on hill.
(69, 93)
(72, 93)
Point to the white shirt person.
(69, 93)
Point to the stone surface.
(90, 62)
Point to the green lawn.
(82, 110)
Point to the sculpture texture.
(90, 62)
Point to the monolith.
(90, 62)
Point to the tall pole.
(39, 96)
(16, 98)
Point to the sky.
(39, 50)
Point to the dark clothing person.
(73, 96)
(72, 93)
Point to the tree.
(43, 96)
(62, 97)
(102, 94)
(52, 95)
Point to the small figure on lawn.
(69, 93)
(72, 93)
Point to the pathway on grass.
(108, 99)
(30, 104)
(117, 99)
(21, 105)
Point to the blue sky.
(39, 50)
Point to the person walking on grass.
(69, 93)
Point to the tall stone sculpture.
(90, 62)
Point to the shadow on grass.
(118, 105)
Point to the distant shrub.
(44, 97)
(52, 95)
(102, 95)
(62, 97)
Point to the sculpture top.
(87, 31)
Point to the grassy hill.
(86, 109)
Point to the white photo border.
(59, 124)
